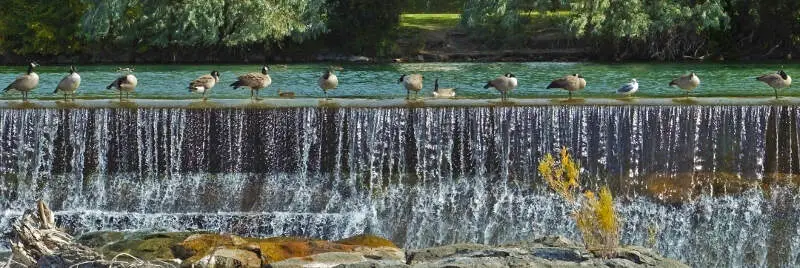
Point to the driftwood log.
(36, 242)
(35, 237)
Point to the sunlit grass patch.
(429, 22)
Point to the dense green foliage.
(505, 23)
(46, 28)
(433, 6)
(363, 26)
(39, 26)
(614, 29)
(649, 29)
(162, 23)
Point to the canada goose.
(328, 81)
(777, 80)
(569, 83)
(69, 83)
(442, 92)
(254, 81)
(204, 83)
(686, 82)
(629, 88)
(411, 82)
(26, 82)
(504, 84)
(125, 83)
(285, 94)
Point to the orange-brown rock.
(200, 246)
(367, 241)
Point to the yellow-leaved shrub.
(594, 213)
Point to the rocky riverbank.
(38, 243)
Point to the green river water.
(379, 80)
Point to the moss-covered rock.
(278, 249)
(204, 249)
(146, 246)
(196, 246)
(227, 257)
(100, 239)
(367, 241)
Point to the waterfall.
(419, 176)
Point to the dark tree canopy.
(363, 26)
(40, 27)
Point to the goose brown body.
(686, 82)
(570, 83)
(411, 82)
(204, 83)
(26, 82)
(328, 81)
(254, 81)
(779, 80)
(69, 84)
(442, 92)
(503, 84)
(125, 84)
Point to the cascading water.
(421, 176)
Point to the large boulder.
(204, 250)
(100, 239)
(195, 246)
(367, 241)
(361, 258)
(544, 252)
(229, 257)
(155, 246)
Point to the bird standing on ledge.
(254, 81)
(126, 83)
(687, 82)
(569, 83)
(503, 84)
(26, 82)
(328, 81)
(779, 80)
(411, 82)
(204, 83)
(69, 83)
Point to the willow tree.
(496, 20)
(164, 23)
(39, 27)
(658, 29)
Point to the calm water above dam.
(379, 80)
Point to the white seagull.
(629, 88)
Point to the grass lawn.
(437, 22)
(417, 31)
(429, 22)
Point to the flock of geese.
(257, 81)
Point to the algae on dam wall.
(419, 176)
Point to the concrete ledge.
(393, 103)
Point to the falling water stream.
(689, 180)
